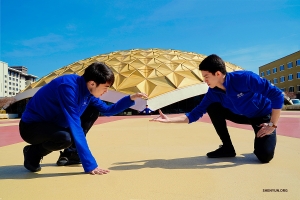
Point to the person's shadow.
(199, 162)
(19, 172)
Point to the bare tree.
(6, 101)
(291, 95)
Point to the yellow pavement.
(155, 161)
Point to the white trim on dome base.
(153, 103)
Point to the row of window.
(16, 84)
(13, 79)
(291, 89)
(282, 78)
(12, 88)
(281, 68)
(11, 93)
(12, 73)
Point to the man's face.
(98, 91)
(210, 79)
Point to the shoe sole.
(64, 162)
(223, 156)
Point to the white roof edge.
(177, 95)
(153, 103)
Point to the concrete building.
(13, 79)
(284, 73)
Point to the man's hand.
(161, 118)
(138, 95)
(99, 171)
(265, 130)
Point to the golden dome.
(151, 71)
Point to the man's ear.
(218, 73)
(91, 83)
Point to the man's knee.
(264, 157)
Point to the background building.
(284, 73)
(13, 79)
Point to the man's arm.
(67, 97)
(275, 116)
(165, 119)
(119, 106)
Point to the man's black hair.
(212, 64)
(100, 73)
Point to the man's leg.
(44, 138)
(218, 115)
(264, 147)
(70, 156)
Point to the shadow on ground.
(19, 172)
(199, 162)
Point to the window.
(268, 72)
(281, 68)
(298, 62)
(290, 77)
(283, 89)
(291, 89)
(9, 83)
(282, 79)
(289, 65)
(274, 70)
(275, 81)
(262, 74)
(298, 86)
(298, 74)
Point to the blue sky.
(47, 35)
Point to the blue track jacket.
(246, 94)
(62, 101)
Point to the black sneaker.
(222, 152)
(68, 158)
(31, 159)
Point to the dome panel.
(153, 71)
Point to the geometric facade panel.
(151, 71)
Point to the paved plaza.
(154, 161)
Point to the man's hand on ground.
(99, 171)
(161, 118)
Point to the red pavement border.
(287, 126)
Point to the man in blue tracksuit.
(146, 111)
(60, 114)
(241, 97)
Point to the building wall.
(3, 78)
(12, 81)
(284, 73)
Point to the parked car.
(295, 101)
(294, 106)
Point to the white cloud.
(251, 58)
(71, 27)
(42, 45)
